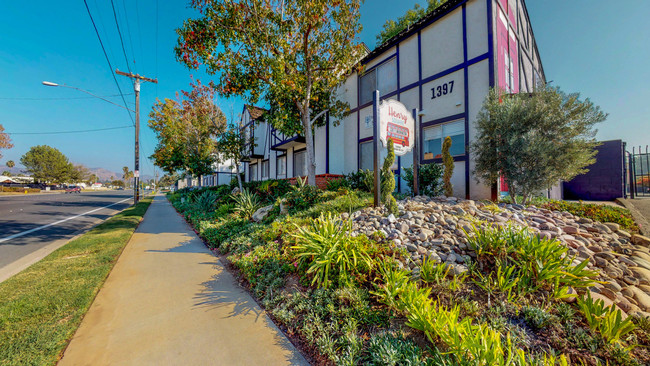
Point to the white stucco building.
(444, 65)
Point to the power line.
(108, 61)
(68, 98)
(121, 40)
(65, 132)
(128, 31)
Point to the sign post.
(376, 147)
(392, 122)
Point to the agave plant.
(205, 201)
(246, 203)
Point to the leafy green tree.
(187, 130)
(535, 140)
(10, 164)
(5, 141)
(47, 164)
(448, 163)
(168, 180)
(293, 54)
(393, 28)
(117, 183)
(6, 173)
(388, 181)
(231, 147)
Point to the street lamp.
(49, 83)
(135, 188)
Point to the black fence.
(638, 165)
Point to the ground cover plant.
(348, 298)
(41, 307)
(596, 212)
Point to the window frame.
(304, 153)
(456, 157)
(268, 169)
(252, 168)
(283, 165)
(375, 70)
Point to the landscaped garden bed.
(444, 282)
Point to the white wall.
(408, 56)
(477, 28)
(442, 44)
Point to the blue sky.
(591, 47)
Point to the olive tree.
(534, 139)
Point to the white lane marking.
(58, 222)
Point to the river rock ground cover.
(445, 282)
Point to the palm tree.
(125, 176)
(10, 164)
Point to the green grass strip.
(42, 307)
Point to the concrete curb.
(644, 226)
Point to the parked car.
(73, 189)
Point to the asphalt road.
(22, 219)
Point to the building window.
(366, 156)
(265, 169)
(252, 172)
(382, 78)
(434, 136)
(281, 166)
(299, 163)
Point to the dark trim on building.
(466, 72)
(442, 120)
(420, 83)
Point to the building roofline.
(433, 16)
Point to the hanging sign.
(397, 124)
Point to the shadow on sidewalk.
(223, 291)
(188, 246)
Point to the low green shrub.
(606, 320)
(536, 317)
(432, 272)
(264, 267)
(429, 179)
(361, 180)
(385, 349)
(302, 196)
(329, 253)
(596, 212)
(527, 261)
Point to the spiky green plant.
(246, 203)
(328, 251)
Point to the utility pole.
(136, 88)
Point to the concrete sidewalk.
(640, 209)
(169, 301)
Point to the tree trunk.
(241, 189)
(513, 194)
(309, 139)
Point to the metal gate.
(638, 165)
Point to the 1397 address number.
(443, 89)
